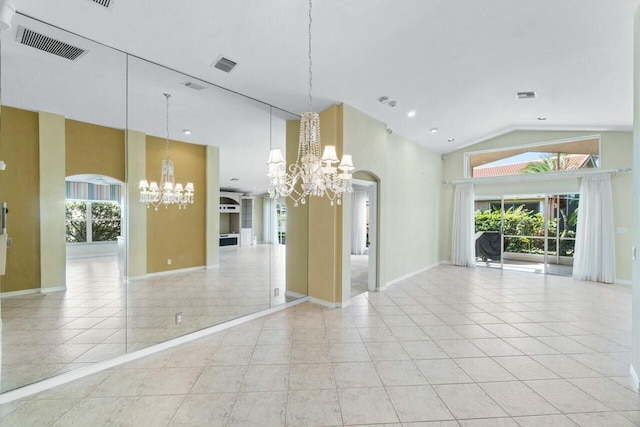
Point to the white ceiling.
(458, 63)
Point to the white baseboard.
(634, 375)
(623, 282)
(32, 291)
(167, 273)
(213, 267)
(294, 294)
(343, 304)
(53, 289)
(67, 377)
(406, 276)
(19, 293)
(114, 254)
(446, 262)
(322, 302)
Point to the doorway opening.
(531, 233)
(363, 263)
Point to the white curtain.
(359, 222)
(594, 257)
(463, 242)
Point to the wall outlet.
(276, 292)
(169, 261)
(178, 318)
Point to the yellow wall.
(325, 232)
(93, 149)
(176, 234)
(19, 142)
(297, 226)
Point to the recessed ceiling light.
(235, 179)
(433, 130)
(542, 118)
(383, 99)
(451, 139)
(392, 103)
(186, 131)
(411, 113)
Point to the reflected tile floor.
(99, 316)
(448, 347)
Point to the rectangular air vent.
(103, 3)
(194, 86)
(39, 41)
(224, 64)
(526, 95)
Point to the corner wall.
(635, 316)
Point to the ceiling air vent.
(224, 64)
(526, 95)
(194, 86)
(103, 3)
(29, 37)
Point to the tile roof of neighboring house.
(574, 161)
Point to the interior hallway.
(453, 346)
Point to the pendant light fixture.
(169, 193)
(310, 175)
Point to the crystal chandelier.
(169, 192)
(310, 175)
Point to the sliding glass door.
(531, 233)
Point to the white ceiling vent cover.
(526, 95)
(39, 41)
(193, 85)
(224, 64)
(103, 3)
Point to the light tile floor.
(448, 347)
(99, 316)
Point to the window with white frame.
(92, 221)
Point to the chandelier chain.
(167, 95)
(314, 173)
(310, 60)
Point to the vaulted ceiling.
(457, 64)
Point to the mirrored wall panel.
(96, 268)
(63, 141)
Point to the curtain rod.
(538, 176)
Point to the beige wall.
(414, 179)
(409, 177)
(635, 322)
(213, 207)
(136, 212)
(19, 150)
(175, 234)
(52, 201)
(297, 227)
(258, 218)
(93, 149)
(616, 152)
